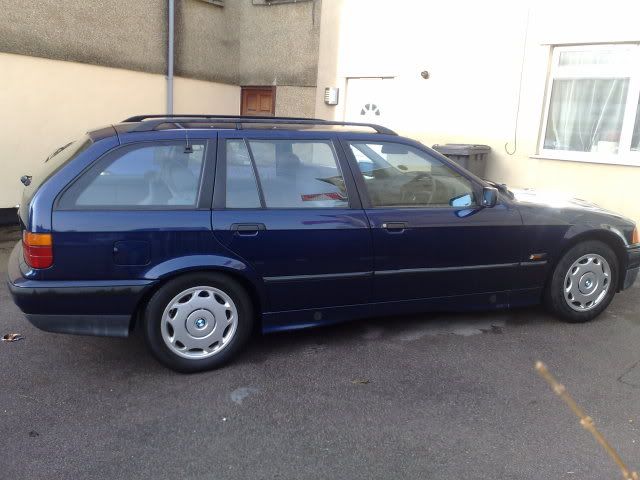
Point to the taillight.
(635, 238)
(38, 249)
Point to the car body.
(133, 206)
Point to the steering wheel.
(417, 191)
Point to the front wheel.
(198, 321)
(583, 282)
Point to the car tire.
(198, 321)
(583, 282)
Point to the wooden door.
(258, 101)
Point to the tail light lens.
(38, 249)
(635, 238)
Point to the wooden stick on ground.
(585, 420)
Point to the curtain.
(585, 114)
(635, 140)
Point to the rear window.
(56, 160)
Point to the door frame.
(244, 88)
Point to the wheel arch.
(609, 237)
(250, 284)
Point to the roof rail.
(139, 118)
(153, 121)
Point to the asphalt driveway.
(430, 396)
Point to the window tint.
(142, 175)
(398, 175)
(242, 190)
(299, 174)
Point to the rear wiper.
(57, 152)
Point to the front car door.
(432, 239)
(285, 202)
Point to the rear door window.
(139, 176)
(299, 173)
(241, 186)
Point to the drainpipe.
(170, 60)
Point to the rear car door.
(431, 237)
(286, 204)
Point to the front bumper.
(102, 308)
(633, 266)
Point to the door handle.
(394, 227)
(248, 229)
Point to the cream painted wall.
(474, 52)
(46, 103)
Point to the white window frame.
(632, 71)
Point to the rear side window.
(153, 175)
(291, 174)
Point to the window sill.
(632, 160)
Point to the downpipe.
(170, 57)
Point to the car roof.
(149, 123)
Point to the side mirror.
(489, 197)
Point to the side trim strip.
(444, 269)
(322, 276)
(402, 271)
(533, 264)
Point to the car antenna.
(187, 148)
(585, 420)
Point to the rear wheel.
(198, 321)
(583, 282)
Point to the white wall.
(47, 103)
(474, 53)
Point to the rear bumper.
(633, 266)
(101, 308)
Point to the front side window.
(397, 175)
(155, 175)
(593, 102)
(299, 173)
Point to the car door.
(285, 203)
(431, 237)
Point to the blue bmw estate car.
(194, 229)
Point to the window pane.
(635, 140)
(159, 175)
(613, 56)
(242, 190)
(299, 174)
(399, 175)
(585, 115)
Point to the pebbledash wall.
(66, 67)
(474, 53)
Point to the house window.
(592, 111)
